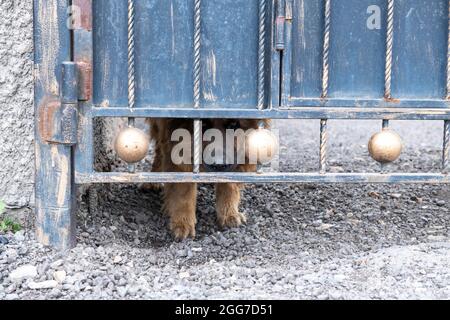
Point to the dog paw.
(182, 230)
(232, 220)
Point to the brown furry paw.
(232, 220)
(182, 229)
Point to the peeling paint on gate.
(46, 73)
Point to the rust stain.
(391, 100)
(85, 79)
(45, 116)
(85, 7)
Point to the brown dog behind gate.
(180, 198)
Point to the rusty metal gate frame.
(65, 111)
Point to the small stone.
(60, 276)
(12, 296)
(43, 267)
(122, 291)
(184, 275)
(440, 203)
(340, 277)
(3, 240)
(374, 194)
(50, 284)
(117, 259)
(27, 271)
(152, 259)
(317, 223)
(417, 199)
(11, 255)
(57, 264)
(55, 293)
(182, 253)
(334, 295)
(19, 236)
(197, 249)
(396, 195)
(325, 226)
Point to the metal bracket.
(58, 116)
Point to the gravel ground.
(301, 241)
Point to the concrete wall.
(16, 103)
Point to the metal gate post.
(55, 129)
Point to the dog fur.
(180, 198)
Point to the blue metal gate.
(254, 59)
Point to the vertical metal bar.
(389, 48)
(326, 49)
(325, 84)
(261, 62)
(446, 137)
(275, 62)
(197, 79)
(323, 145)
(286, 56)
(261, 54)
(446, 146)
(83, 57)
(385, 126)
(54, 187)
(131, 68)
(197, 145)
(388, 63)
(92, 199)
(131, 57)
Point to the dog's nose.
(219, 167)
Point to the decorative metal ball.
(132, 145)
(385, 146)
(262, 146)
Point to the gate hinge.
(58, 116)
(280, 24)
